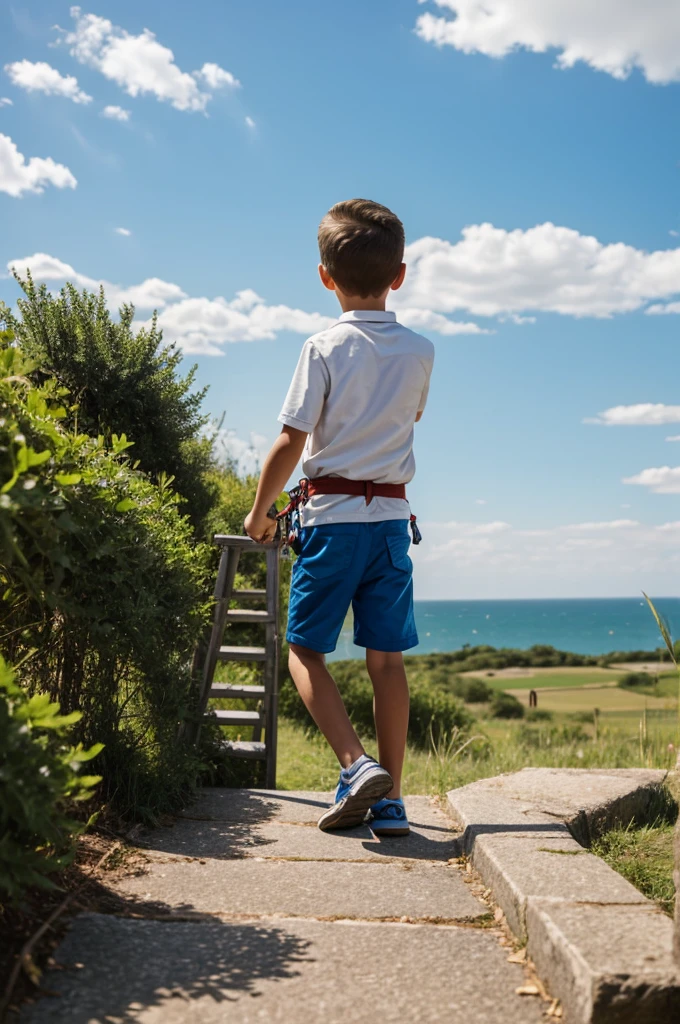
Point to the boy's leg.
(391, 707)
(322, 699)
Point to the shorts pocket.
(325, 554)
(398, 545)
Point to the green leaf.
(125, 505)
(663, 629)
(37, 458)
(68, 479)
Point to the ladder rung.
(236, 717)
(243, 543)
(246, 615)
(245, 594)
(242, 748)
(242, 692)
(243, 653)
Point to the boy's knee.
(304, 654)
(384, 661)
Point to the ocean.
(584, 626)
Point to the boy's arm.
(276, 471)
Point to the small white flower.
(19, 438)
(29, 484)
(579, 754)
(44, 770)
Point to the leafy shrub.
(103, 587)
(504, 705)
(39, 783)
(434, 714)
(473, 691)
(539, 715)
(633, 679)
(121, 382)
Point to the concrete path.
(244, 911)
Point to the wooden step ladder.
(264, 716)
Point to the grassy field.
(539, 678)
(605, 698)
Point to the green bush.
(504, 705)
(434, 714)
(121, 381)
(473, 691)
(40, 781)
(633, 679)
(103, 587)
(539, 715)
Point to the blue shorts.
(363, 564)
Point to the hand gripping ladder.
(266, 695)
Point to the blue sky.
(562, 167)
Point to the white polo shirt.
(357, 390)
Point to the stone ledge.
(580, 918)
(588, 801)
(518, 869)
(606, 963)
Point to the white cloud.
(480, 501)
(427, 320)
(494, 272)
(216, 77)
(18, 175)
(673, 233)
(203, 326)
(140, 64)
(645, 414)
(673, 437)
(123, 231)
(659, 480)
(621, 557)
(247, 456)
(250, 122)
(150, 294)
(115, 113)
(614, 36)
(5, 102)
(42, 77)
(662, 309)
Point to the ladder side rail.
(223, 589)
(272, 666)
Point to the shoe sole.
(352, 809)
(390, 831)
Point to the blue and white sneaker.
(359, 787)
(388, 818)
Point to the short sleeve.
(426, 386)
(307, 392)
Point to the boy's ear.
(326, 278)
(399, 279)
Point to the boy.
(358, 389)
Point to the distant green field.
(550, 677)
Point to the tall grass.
(664, 629)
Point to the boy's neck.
(349, 302)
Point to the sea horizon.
(589, 625)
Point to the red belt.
(337, 485)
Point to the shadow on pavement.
(111, 969)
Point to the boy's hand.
(260, 528)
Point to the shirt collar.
(370, 315)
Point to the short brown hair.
(361, 245)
